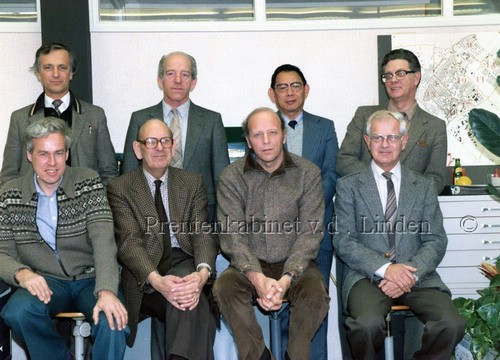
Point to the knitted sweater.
(85, 243)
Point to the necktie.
(56, 104)
(390, 216)
(176, 132)
(166, 260)
(292, 124)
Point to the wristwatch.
(292, 276)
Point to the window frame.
(260, 23)
(24, 27)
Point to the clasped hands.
(270, 292)
(398, 280)
(182, 292)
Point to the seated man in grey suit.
(314, 138)
(54, 67)
(426, 149)
(271, 209)
(165, 245)
(390, 235)
(199, 132)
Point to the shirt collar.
(409, 112)
(181, 109)
(251, 163)
(298, 119)
(396, 170)
(39, 189)
(40, 103)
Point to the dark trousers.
(319, 346)
(308, 299)
(190, 334)
(368, 306)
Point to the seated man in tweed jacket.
(165, 245)
(57, 245)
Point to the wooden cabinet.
(472, 224)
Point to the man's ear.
(248, 142)
(272, 95)
(404, 141)
(137, 150)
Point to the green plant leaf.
(486, 128)
(495, 280)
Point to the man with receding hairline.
(165, 245)
(201, 134)
(390, 236)
(271, 209)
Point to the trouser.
(31, 320)
(189, 333)
(307, 296)
(368, 306)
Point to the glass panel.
(476, 7)
(350, 9)
(18, 11)
(172, 10)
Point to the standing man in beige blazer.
(167, 261)
(91, 147)
(426, 150)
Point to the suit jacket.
(91, 144)
(320, 146)
(205, 150)
(420, 236)
(425, 151)
(138, 235)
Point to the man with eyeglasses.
(165, 245)
(426, 149)
(200, 134)
(314, 138)
(390, 235)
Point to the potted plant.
(483, 316)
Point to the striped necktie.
(176, 132)
(390, 216)
(56, 104)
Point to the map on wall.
(459, 74)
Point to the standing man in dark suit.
(202, 145)
(55, 65)
(313, 138)
(165, 245)
(426, 150)
(391, 238)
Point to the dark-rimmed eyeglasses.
(152, 143)
(295, 86)
(399, 75)
(391, 138)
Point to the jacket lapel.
(146, 205)
(194, 129)
(406, 199)
(177, 196)
(311, 137)
(415, 133)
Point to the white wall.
(234, 70)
